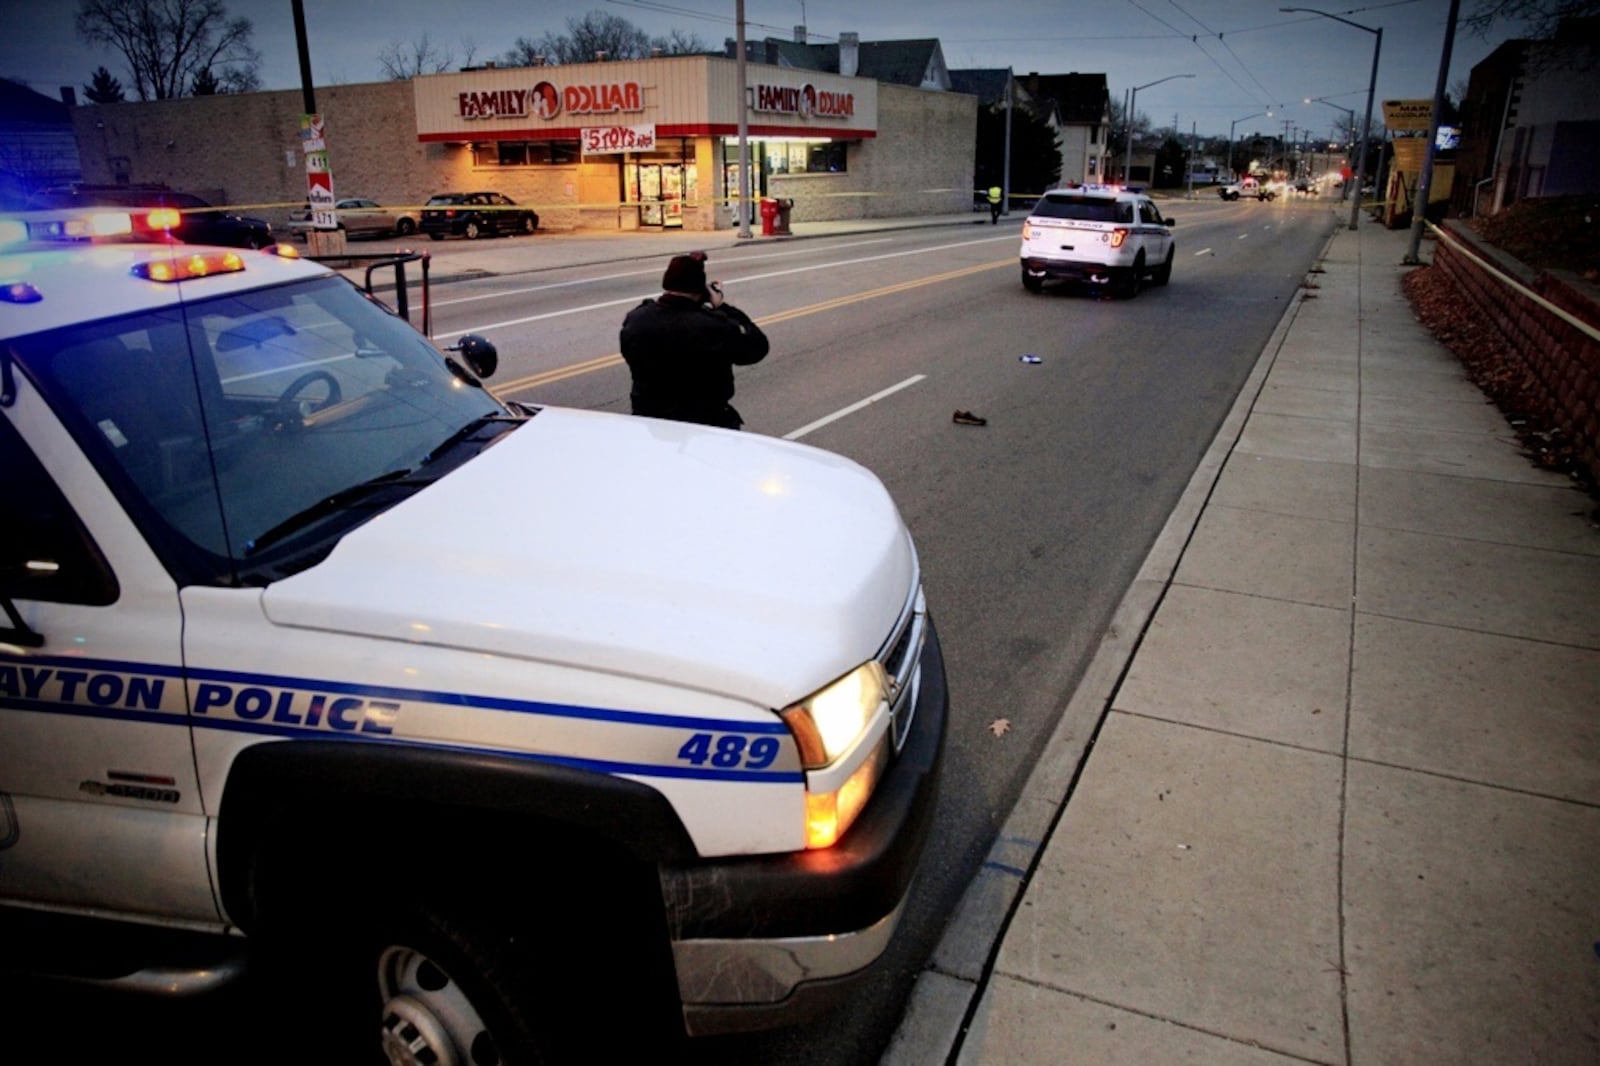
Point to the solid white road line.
(630, 274)
(1202, 251)
(753, 277)
(853, 408)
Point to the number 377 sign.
(611, 140)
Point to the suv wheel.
(1127, 286)
(529, 224)
(1163, 272)
(1031, 283)
(405, 227)
(473, 231)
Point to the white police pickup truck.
(489, 716)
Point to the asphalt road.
(1029, 528)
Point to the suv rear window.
(1084, 209)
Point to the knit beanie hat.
(686, 274)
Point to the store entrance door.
(661, 195)
(758, 179)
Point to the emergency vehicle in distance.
(314, 649)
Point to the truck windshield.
(221, 420)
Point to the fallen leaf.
(1000, 726)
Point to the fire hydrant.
(769, 216)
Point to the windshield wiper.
(467, 431)
(331, 504)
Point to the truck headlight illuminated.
(829, 722)
(829, 814)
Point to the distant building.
(1531, 122)
(37, 147)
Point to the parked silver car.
(360, 217)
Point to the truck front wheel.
(449, 993)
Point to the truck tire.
(450, 991)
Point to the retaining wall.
(1562, 360)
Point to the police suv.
(312, 649)
(1106, 235)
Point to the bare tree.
(1536, 18)
(678, 43)
(167, 43)
(401, 62)
(596, 35)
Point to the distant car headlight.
(828, 723)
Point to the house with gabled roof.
(1078, 107)
(37, 146)
(918, 63)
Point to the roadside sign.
(1408, 116)
(614, 140)
(319, 193)
(319, 173)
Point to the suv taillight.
(1118, 235)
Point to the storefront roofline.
(706, 129)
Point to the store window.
(524, 153)
(806, 157)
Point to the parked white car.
(359, 217)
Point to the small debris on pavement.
(1000, 726)
(1033, 359)
(967, 418)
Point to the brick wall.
(1562, 361)
(919, 164)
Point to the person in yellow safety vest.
(995, 197)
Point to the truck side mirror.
(480, 355)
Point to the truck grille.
(900, 657)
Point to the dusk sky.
(1246, 55)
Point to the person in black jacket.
(682, 346)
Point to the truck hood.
(716, 560)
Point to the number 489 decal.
(730, 750)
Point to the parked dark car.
(475, 214)
(198, 222)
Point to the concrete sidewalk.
(1330, 791)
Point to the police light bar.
(60, 226)
(184, 267)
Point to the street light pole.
(1133, 101)
(1372, 87)
(1231, 126)
(1345, 190)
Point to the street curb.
(961, 963)
(738, 242)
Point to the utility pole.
(1005, 171)
(307, 92)
(744, 130)
(1419, 209)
